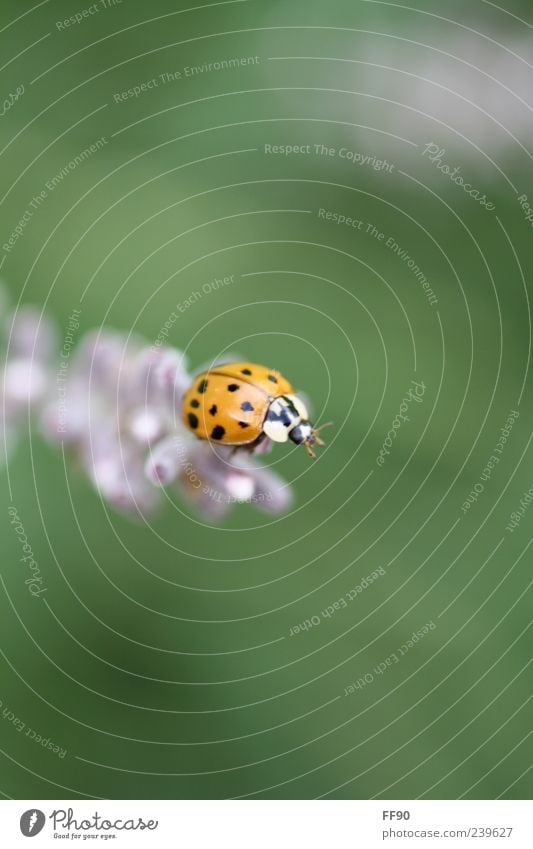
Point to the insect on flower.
(116, 408)
(242, 404)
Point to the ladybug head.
(307, 435)
(287, 418)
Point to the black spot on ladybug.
(213, 410)
(273, 378)
(217, 432)
(246, 371)
(243, 424)
(232, 387)
(283, 416)
(291, 406)
(202, 386)
(193, 420)
(195, 403)
(247, 407)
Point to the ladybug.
(241, 404)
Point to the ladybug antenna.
(316, 432)
(315, 437)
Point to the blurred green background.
(162, 661)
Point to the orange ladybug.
(241, 404)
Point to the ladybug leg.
(258, 446)
(261, 445)
(309, 450)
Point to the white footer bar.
(272, 824)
